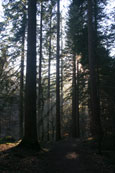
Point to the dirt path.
(66, 156)
(72, 157)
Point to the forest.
(57, 86)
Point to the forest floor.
(65, 156)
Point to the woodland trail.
(66, 156)
(71, 156)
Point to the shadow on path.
(70, 156)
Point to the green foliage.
(77, 43)
(7, 139)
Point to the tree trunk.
(40, 71)
(49, 71)
(93, 80)
(61, 71)
(58, 130)
(74, 131)
(30, 133)
(21, 109)
(113, 124)
(75, 102)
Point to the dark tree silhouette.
(95, 105)
(58, 130)
(30, 129)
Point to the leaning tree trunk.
(30, 133)
(95, 105)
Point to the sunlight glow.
(1, 10)
(72, 155)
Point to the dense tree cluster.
(86, 38)
(66, 84)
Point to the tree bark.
(49, 71)
(30, 133)
(95, 105)
(21, 110)
(74, 131)
(58, 130)
(61, 71)
(40, 72)
(75, 102)
(77, 99)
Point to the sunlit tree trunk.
(75, 101)
(74, 125)
(21, 110)
(77, 98)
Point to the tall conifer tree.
(58, 130)
(30, 133)
(95, 105)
